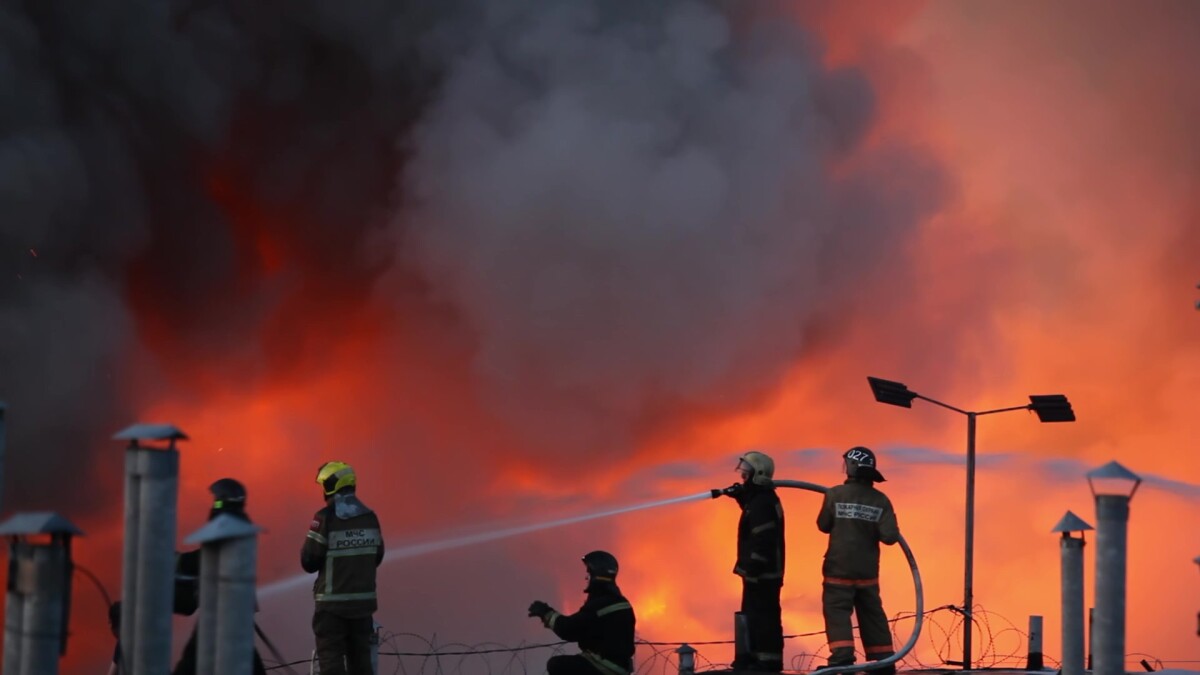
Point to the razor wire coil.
(1002, 646)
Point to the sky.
(522, 261)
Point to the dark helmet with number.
(860, 464)
(601, 565)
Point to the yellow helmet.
(333, 476)
(761, 467)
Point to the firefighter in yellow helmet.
(344, 546)
(857, 517)
(760, 559)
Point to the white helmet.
(759, 467)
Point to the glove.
(539, 609)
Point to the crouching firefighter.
(344, 546)
(603, 627)
(857, 517)
(760, 560)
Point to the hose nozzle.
(731, 491)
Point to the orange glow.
(1064, 261)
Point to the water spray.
(413, 550)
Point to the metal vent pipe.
(148, 575)
(225, 640)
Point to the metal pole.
(3, 440)
(225, 643)
(152, 476)
(1091, 636)
(129, 556)
(44, 611)
(1034, 660)
(14, 613)
(1112, 512)
(1072, 605)
(375, 628)
(969, 572)
(235, 602)
(741, 638)
(687, 659)
(207, 617)
(34, 621)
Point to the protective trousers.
(861, 596)
(760, 605)
(343, 645)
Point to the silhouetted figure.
(760, 559)
(603, 627)
(857, 517)
(229, 496)
(344, 546)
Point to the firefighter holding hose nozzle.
(857, 517)
(603, 627)
(760, 560)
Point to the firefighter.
(857, 517)
(229, 497)
(760, 560)
(603, 627)
(344, 546)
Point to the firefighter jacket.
(344, 546)
(760, 547)
(603, 627)
(856, 517)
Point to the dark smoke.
(154, 158)
(629, 212)
(645, 209)
(635, 211)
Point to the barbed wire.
(1001, 645)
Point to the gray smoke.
(643, 210)
(636, 211)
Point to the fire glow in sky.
(525, 260)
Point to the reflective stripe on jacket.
(603, 627)
(344, 545)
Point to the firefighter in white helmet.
(760, 561)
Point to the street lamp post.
(1113, 486)
(1049, 408)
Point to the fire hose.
(918, 589)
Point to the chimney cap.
(37, 522)
(150, 432)
(224, 526)
(1072, 523)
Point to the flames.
(1056, 262)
